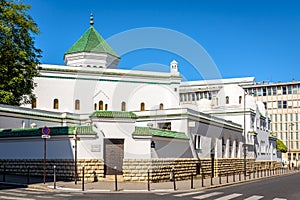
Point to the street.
(277, 188)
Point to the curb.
(59, 188)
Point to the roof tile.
(91, 41)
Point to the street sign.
(46, 136)
(46, 130)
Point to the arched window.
(240, 99)
(123, 106)
(100, 105)
(95, 106)
(33, 103)
(142, 106)
(77, 104)
(106, 106)
(227, 99)
(161, 106)
(55, 104)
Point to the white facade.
(227, 100)
(91, 83)
(91, 86)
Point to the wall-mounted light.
(153, 144)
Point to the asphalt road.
(277, 188)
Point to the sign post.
(45, 136)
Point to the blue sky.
(257, 38)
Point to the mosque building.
(120, 118)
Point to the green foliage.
(281, 146)
(18, 56)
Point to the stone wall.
(136, 169)
(64, 168)
(160, 169)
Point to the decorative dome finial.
(91, 19)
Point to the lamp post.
(244, 145)
(289, 144)
(75, 152)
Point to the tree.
(281, 146)
(18, 56)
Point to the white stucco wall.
(112, 87)
(171, 148)
(118, 129)
(33, 148)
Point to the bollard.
(4, 173)
(264, 173)
(249, 175)
(28, 175)
(192, 181)
(220, 179)
(239, 176)
(54, 177)
(261, 173)
(174, 178)
(95, 176)
(258, 173)
(83, 178)
(148, 179)
(233, 177)
(211, 180)
(202, 179)
(227, 177)
(116, 179)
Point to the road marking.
(135, 190)
(230, 196)
(163, 190)
(31, 191)
(44, 197)
(63, 195)
(15, 198)
(207, 195)
(279, 199)
(22, 191)
(162, 193)
(91, 191)
(254, 197)
(187, 194)
(66, 189)
(13, 193)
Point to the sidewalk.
(110, 186)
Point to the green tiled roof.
(114, 114)
(59, 130)
(91, 41)
(147, 131)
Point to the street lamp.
(244, 145)
(75, 149)
(289, 144)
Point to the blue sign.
(46, 130)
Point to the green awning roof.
(114, 114)
(58, 130)
(91, 41)
(147, 131)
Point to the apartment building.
(282, 101)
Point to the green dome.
(91, 41)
